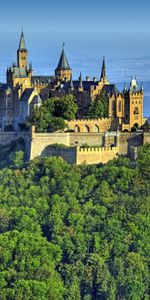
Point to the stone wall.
(39, 141)
(96, 155)
(86, 138)
(90, 125)
(68, 154)
(129, 139)
(146, 138)
(77, 155)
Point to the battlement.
(136, 93)
(90, 120)
(41, 84)
(97, 149)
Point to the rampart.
(77, 155)
(68, 154)
(39, 145)
(103, 146)
(96, 155)
(39, 142)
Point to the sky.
(96, 27)
(116, 29)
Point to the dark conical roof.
(63, 62)
(22, 45)
(71, 83)
(80, 81)
(103, 72)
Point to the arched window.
(96, 128)
(119, 106)
(86, 128)
(77, 128)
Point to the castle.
(23, 91)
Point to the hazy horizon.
(119, 31)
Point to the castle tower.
(63, 71)
(19, 75)
(22, 53)
(134, 104)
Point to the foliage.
(18, 159)
(51, 115)
(99, 108)
(10, 151)
(70, 232)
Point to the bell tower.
(22, 53)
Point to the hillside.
(69, 232)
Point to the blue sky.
(118, 29)
(87, 27)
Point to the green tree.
(99, 107)
(18, 159)
(53, 112)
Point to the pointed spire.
(103, 72)
(125, 88)
(30, 66)
(142, 87)
(71, 83)
(22, 45)
(63, 61)
(80, 81)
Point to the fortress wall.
(86, 138)
(96, 155)
(67, 154)
(146, 138)
(40, 141)
(129, 139)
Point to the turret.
(142, 88)
(80, 88)
(63, 71)
(71, 84)
(125, 88)
(133, 86)
(22, 53)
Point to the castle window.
(136, 111)
(119, 106)
(86, 128)
(77, 128)
(132, 102)
(113, 105)
(96, 128)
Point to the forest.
(75, 232)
